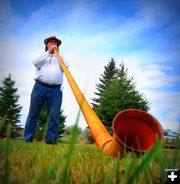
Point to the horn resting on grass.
(133, 129)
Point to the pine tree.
(119, 95)
(61, 129)
(41, 125)
(9, 107)
(106, 78)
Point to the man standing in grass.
(47, 88)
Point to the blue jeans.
(41, 94)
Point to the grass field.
(38, 163)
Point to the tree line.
(115, 92)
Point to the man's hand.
(51, 48)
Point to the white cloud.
(153, 76)
(165, 107)
(150, 75)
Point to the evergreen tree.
(41, 125)
(119, 95)
(61, 129)
(110, 74)
(9, 107)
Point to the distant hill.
(170, 133)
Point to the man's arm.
(38, 62)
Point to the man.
(48, 81)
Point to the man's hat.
(52, 38)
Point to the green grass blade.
(175, 158)
(70, 149)
(6, 156)
(148, 157)
(118, 170)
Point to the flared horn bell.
(133, 129)
(136, 130)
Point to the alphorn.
(133, 129)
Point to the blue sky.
(144, 34)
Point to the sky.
(144, 34)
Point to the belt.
(48, 85)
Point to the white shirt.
(48, 69)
